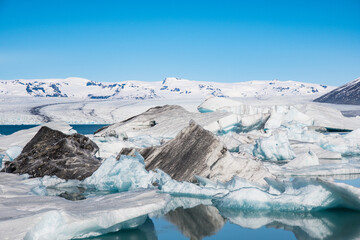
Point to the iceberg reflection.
(332, 224)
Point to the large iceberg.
(196, 151)
(348, 144)
(299, 195)
(48, 217)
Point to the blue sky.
(226, 41)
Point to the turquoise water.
(80, 128)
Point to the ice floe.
(48, 217)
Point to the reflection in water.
(145, 231)
(335, 224)
(202, 221)
(197, 222)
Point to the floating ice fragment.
(13, 152)
(121, 175)
(299, 195)
(306, 159)
(274, 147)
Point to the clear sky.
(227, 41)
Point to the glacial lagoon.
(204, 221)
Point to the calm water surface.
(80, 128)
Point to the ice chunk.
(282, 115)
(275, 147)
(301, 147)
(109, 146)
(328, 117)
(299, 195)
(348, 144)
(160, 122)
(336, 170)
(41, 217)
(121, 175)
(13, 152)
(218, 104)
(185, 189)
(306, 159)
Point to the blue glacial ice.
(50, 217)
(299, 195)
(275, 147)
(13, 152)
(121, 175)
(347, 145)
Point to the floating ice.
(48, 217)
(348, 144)
(121, 175)
(13, 152)
(219, 104)
(274, 147)
(299, 195)
(302, 147)
(281, 115)
(306, 159)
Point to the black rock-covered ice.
(53, 153)
(196, 151)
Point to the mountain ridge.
(168, 88)
(346, 94)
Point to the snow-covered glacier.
(169, 87)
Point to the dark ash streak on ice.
(37, 112)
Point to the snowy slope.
(346, 94)
(169, 88)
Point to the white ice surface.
(299, 195)
(25, 216)
(13, 152)
(302, 160)
(274, 147)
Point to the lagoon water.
(80, 128)
(207, 222)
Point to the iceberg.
(196, 151)
(275, 147)
(306, 159)
(44, 217)
(348, 144)
(219, 104)
(51, 152)
(159, 122)
(302, 147)
(282, 115)
(299, 195)
(121, 175)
